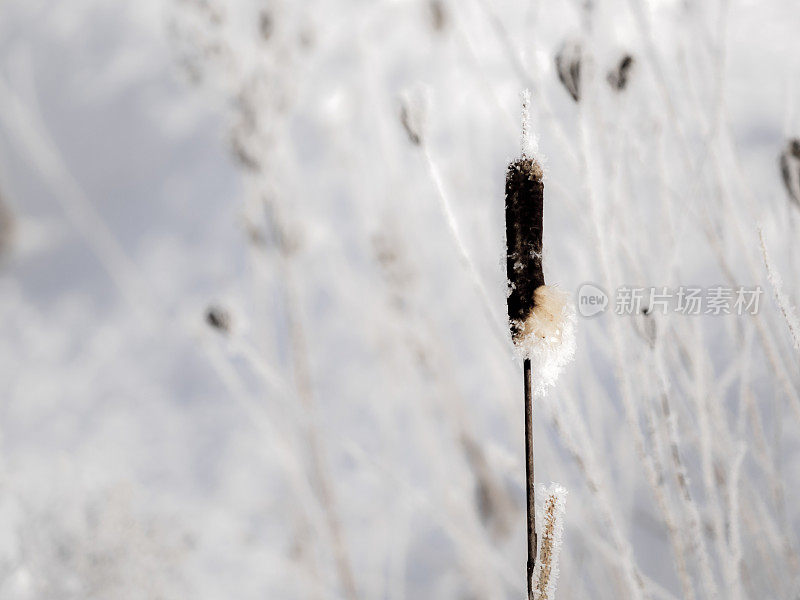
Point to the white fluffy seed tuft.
(547, 336)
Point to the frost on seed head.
(547, 336)
(550, 515)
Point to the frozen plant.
(541, 317)
(550, 512)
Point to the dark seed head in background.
(218, 318)
(413, 110)
(265, 25)
(790, 169)
(438, 14)
(618, 77)
(407, 121)
(524, 208)
(6, 228)
(568, 67)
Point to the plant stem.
(529, 476)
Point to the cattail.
(790, 169)
(265, 25)
(524, 206)
(568, 67)
(438, 14)
(411, 129)
(218, 318)
(495, 507)
(541, 318)
(6, 228)
(413, 109)
(551, 515)
(618, 77)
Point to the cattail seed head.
(413, 113)
(618, 77)
(218, 318)
(541, 317)
(524, 209)
(265, 25)
(568, 67)
(438, 14)
(406, 121)
(551, 515)
(790, 169)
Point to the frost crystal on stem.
(551, 515)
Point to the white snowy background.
(358, 431)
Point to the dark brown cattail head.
(407, 120)
(541, 317)
(568, 67)
(218, 318)
(438, 14)
(524, 208)
(790, 169)
(618, 77)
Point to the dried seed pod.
(413, 112)
(406, 121)
(495, 506)
(568, 67)
(618, 77)
(790, 169)
(438, 15)
(266, 25)
(541, 317)
(551, 515)
(6, 229)
(218, 318)
(524, 209)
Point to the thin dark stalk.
(529, 476)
